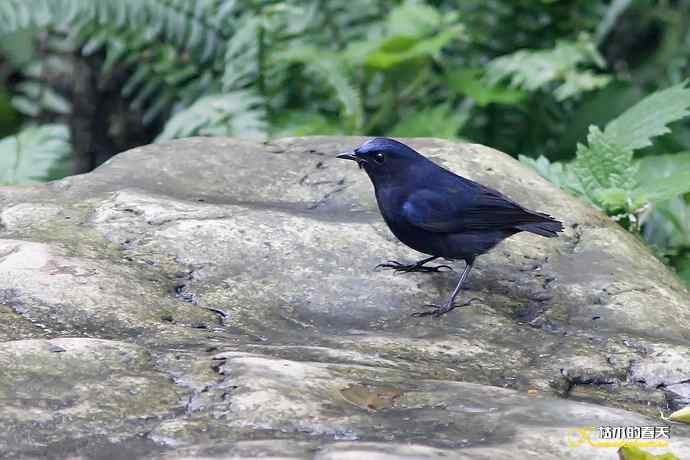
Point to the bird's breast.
(391, 202)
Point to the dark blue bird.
(439, 213)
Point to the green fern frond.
(33, 98)
(188, 25)
(172, 45)
(332, 70)
(238, 113)
(30, 155)
(242, 55)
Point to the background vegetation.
(582, 91)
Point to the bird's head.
(383, 157)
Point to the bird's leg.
(438, 311)
(415, 267)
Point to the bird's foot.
(418, 267)
(437, 311)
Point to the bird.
(439, 213)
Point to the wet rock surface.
(218, 298)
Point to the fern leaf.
(241, 55)
(238, 113)
(29, 156)
(557, 173)
(333, 71)
(36, 97)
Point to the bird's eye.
(378, 158)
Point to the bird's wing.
(478, 208)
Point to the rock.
(91, 390)
(230, 286)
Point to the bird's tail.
(548, 228)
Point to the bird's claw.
(438, 311)
(390, 264)
(400, 268)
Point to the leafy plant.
(561, 66)
(215, 116)
(635, 453)
(34, 154)
(333, 70)
(440, 121)
(667, 223)
(645, 195)
(472, 83)
(604, 171)
(355, 63)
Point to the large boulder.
(217, 297)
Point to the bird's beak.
(348, 156)
(352, 156)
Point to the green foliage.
(682, 266)
(414, 32)
(597, 108)
(561, 175)
(34, 154)
(9, 119)
(333, 71)
(604, 171)
(213, 116)
(440, 121)
(304, 123)
(562, 65)
(369, 57)
(648, 119)
(176, 49)
(402, 49)
(471, 82)
(635, 453)
(667, 223)
(33, 98)
(644, 193)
